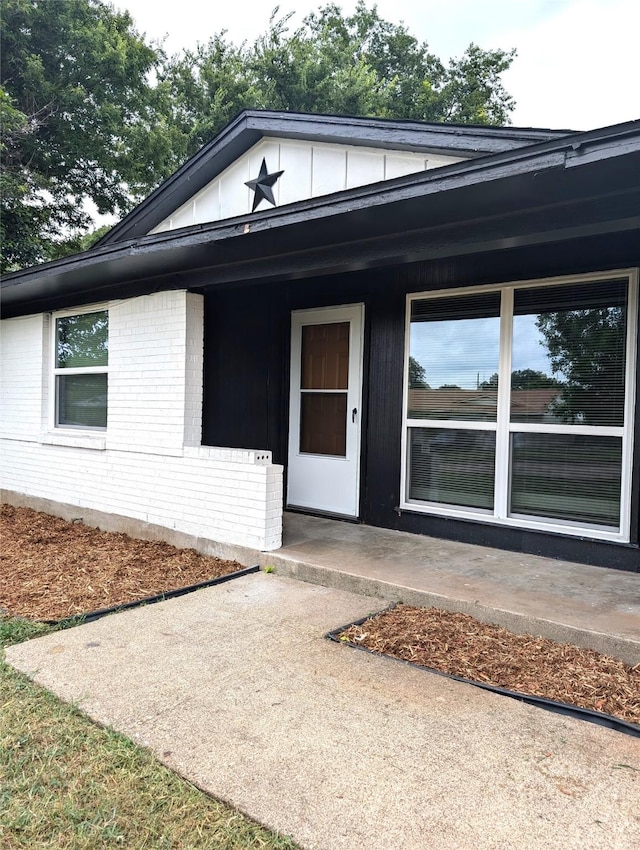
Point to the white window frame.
(84, 370)
(503, 427)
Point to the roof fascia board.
(472, 140)
(583, 154)
(410, 247)
(252, 125)
(361, 197)
(541, 157)
(601, 144)
(236, 138)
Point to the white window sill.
(97, 442)
(584, 531)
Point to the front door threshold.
(297, 509)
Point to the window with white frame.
(80, 366)
(519, 403)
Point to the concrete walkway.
(572, 603)
(236, 688)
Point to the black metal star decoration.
(262, 185)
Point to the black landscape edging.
(149, 600)
(598, 717)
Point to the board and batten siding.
(148, 464)
(253, 321)
(310, 170)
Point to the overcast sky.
(453, 354)
(577, 65)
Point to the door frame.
(322, 315)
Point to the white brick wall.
(155, 373)
(22, 345)
(151, 466)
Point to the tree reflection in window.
(81, 365)
(574, 337)
(586, 347)
(82, 340)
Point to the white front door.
(325, 409)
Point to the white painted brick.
(22, 349)
(153, 467)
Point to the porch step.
(587, 606)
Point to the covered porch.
(585, 605)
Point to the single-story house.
(424, 327)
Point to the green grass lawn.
(67, 783)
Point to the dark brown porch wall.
(247, 328)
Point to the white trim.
(406, 423)
(80, 370)
(100, 307)
(77, 440)
(309, 467)
(55, 371)
(501, 481)
(535, 282)
(630, 401)
(549, 428)
(460, 424)
(53, 395)
(504, 427)
(597, 532)
(519, 427)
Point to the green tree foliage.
(491, 384)
(21, 217)
(523, 379)
(89, 239)
(83, 340)
(587, 347)
(531, 379)
(355, 64)
(417, 375)
(79, 121)
(91, 111)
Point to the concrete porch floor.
(572, 603)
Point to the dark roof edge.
(247, 128)
(215, 148)
(333, 119)
(584, 148)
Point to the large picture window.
(81, 359)
(519, 403)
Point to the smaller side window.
(81, 360)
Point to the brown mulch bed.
(460, 645)
(51, 569)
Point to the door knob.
(353, 414)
